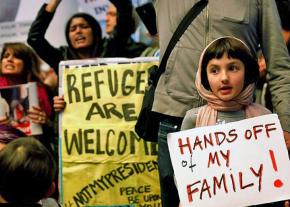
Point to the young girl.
(226, 81)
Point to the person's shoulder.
(189, 120)
(67, 53)
(193, 111)
(260, 109)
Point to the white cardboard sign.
(236, 164)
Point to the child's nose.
(224, 77)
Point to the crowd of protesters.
(261, 29)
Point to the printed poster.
(103, 162)
(236, 164)
(15, 102)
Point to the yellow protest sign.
(103, 161)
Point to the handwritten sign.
(236, 164)
(103, 161)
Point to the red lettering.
(218, 141)
(256, 130)
(248, 134)
(242, 186)
(218, 184)
(187, 145)
(269, 129)
(259, 175)
(205, 188)
(198, 143)
(191, 192)
(212, 158)
(208, 141)
(226, 157)
(226, 182)
(233, 182)
(232, 133)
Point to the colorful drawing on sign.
(236, 164)
(103, 161)
(15, 102)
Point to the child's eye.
(213, 70)
(233, 68)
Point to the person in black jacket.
(83, 34)
(118, 43)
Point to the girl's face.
(226, 77)
(11, 64)
(80, 33)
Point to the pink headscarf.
(207, 115)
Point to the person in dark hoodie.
(83, 35)
(118, 43)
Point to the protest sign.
(103, 162)
(15, 102)
(236, 164)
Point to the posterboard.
(103, 162)
(236, 164)
(15, 102)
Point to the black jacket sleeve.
(36, 39)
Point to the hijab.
(207, 115)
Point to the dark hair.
(234, 49)
(96, 28)
(9, 133)
(27, 171)
(31, 62)
(283, 7)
